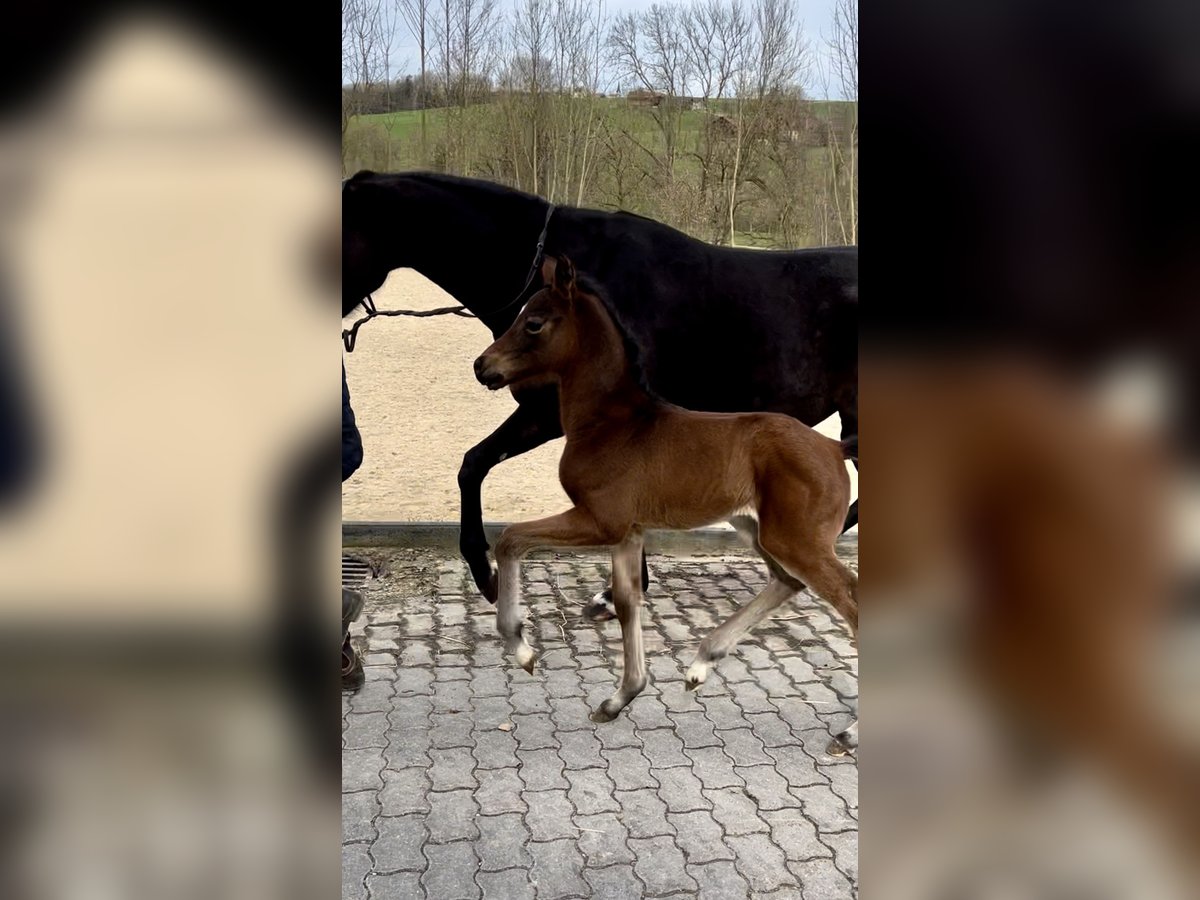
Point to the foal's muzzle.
(491, 380)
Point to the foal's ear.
(564, 277)
(549, 265)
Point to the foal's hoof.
(526, 657)
(696, 676)
(600, 608)
(843, 744)
(603, 714)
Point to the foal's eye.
(533, 326)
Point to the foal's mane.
(633, 350)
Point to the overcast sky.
(817, 16)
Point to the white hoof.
(697, 673)
(526, 657)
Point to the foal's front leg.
(574, 528)
(627, 592)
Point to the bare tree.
(842, 46)
(416, 16)
(649, 49)
(368, 31)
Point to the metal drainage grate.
(355, 573)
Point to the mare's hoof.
(602, 715)
(491, 591)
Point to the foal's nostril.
(479, 367)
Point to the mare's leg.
(627, 589)
(723, 638)
(849, 417)
(574, 528)
(532, 424)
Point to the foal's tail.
(850, 451)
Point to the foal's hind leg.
(834, 583)
(723, 639)
(627, 590)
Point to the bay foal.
(633, 461)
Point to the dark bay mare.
(718, 329)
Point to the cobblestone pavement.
(465, 777)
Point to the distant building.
(640, 97)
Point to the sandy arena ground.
(420, 409)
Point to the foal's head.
(543, 339)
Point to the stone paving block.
(736, 812)
(529, 698)
(629, 769)
(750, 697)
(760, 862)
(502, 843)
(398, 886)
(715, 769)
(499, 791)
(399, 845)
(451, 696)
(614, 883)
(534, 731)
(408, 747)
(411, 712)
(694, 729)
(513, 884)
(680, 789)
(845, 852)
(722, 711)
(663, 748)
(549, 815)
(558, 869)
(744, 748)
(591, 791)
(362, 769)
(541, 770)
(719, 881)
(356, 865)
(648, 712)
(495, 749)
(581, 750)
(564, 683)
(603, 839)
(795, 835)
(365, 730)
(820, 879)
(766, 787)
(489, 683)
(451, 730)
(772, 730)
(569, 714)
(452, 816)
(488, 713)
(824, 808)
(404, 791)
(452, 768)
(700, 837)
(660, 865)
(359, 810)
(451, 872)
(644, 813)
(618, 733)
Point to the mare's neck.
(598, 387)
(477, 245)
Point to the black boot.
(352, 670)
